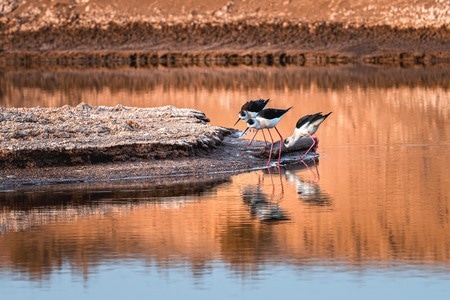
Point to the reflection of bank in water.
(23, 209)
(54, 86)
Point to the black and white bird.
(266, 119)
(306, 127)
(251, 108)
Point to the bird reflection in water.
(264, 206)
(309, 189)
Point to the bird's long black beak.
(237, 121)
(245, 131)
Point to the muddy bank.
(233, 156)
(39, 137)
(21, 15)
(85, 144)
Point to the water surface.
(370, 219)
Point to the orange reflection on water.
(383, 194)
(352, 220)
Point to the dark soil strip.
(234, 156)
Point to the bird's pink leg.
(316, 176)
(253, 137)
(264, 136)
(317, 171)
(317, 143)
(314, 142)
(279, 152)
(271, 147)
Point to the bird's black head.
(250, 122)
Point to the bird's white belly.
(268, 123)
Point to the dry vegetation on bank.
(97, 32)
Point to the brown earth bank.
(36, 137)
(95, 32)
(83, 144)
(215, 166)
(232, 157)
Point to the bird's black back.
(272, 113)
(255, 105)
(320, 117)
(311, 119)
(303, 120)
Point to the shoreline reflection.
(247, 222)
(54, 88)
